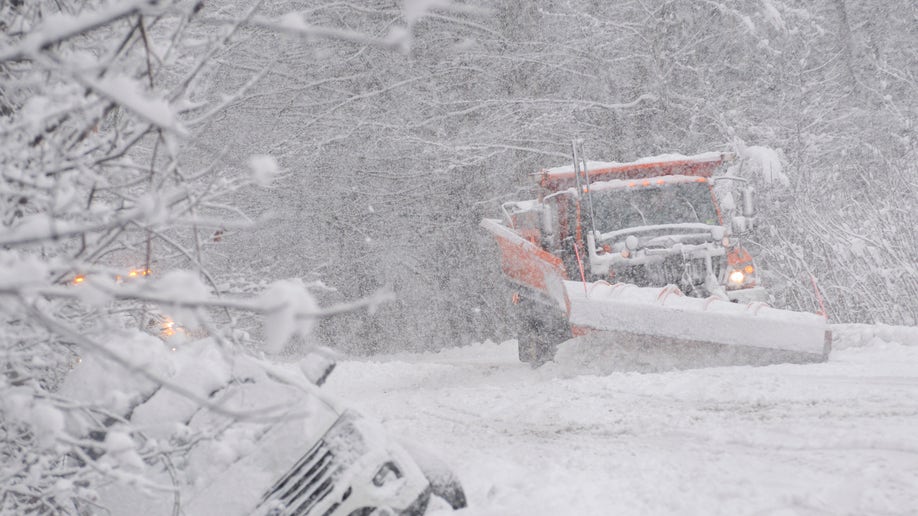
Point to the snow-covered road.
(834, 438)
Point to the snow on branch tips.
(293, 24)
(184, 288)
(417, 9)
(285, 301)
(130, 94)
(764, 162)
(263, 169)
(60, 27)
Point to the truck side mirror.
(632, 242)
(727, 203)
(748, 202)
(550, 229)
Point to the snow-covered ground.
(839, 437)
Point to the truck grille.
(307, 483)
(684, 271)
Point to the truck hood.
(663, 236)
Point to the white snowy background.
(281, 176)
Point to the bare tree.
(112, 199)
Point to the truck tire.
(534, 350)
(543, 330)
(526, 348)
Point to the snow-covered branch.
(61, 27)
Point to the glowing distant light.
(140, 272)
(79, 279)
(168, 328)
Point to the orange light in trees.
(168, 328)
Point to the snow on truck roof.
(619, 184)
(703, 165)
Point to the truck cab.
(646, 254)
(651, 223)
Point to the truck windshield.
(649, 206)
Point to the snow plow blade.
(650, 325)
(697, 332)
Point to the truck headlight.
(736, 277)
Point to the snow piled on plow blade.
(651, 329)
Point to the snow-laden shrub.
(111, 200)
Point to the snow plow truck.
(646, 253)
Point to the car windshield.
(650, 206)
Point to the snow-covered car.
(254, 438)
